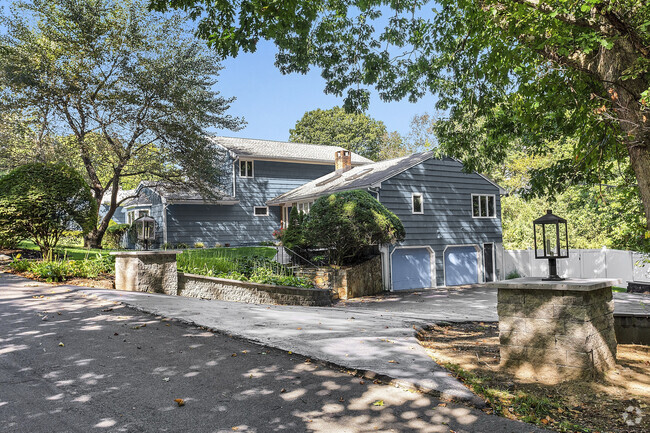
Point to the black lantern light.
(146, 229)
(551, 242)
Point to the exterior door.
(412, 268)
(488, 262)
(461, 265)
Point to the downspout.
(234, 176)
(164, 218)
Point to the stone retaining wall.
(632, 329)
(199, 286)
(364, 279)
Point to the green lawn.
(234, 252)
(68, 252)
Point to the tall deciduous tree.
(129, 90)
(537, 70)
(356, 132)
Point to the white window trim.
(248, 176)
(479, 205)
(260, 207)
(421, 203)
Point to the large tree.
(129, 92)
(524, 71)
(356, 132)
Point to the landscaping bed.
(254, 264)
(619, 402)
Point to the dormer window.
(245, 168)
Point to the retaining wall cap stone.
(145, 253)
(570, 284)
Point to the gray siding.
(447, 218)
(236, 224)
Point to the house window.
(246, 168)
(305, 207)
(483, 206)
(135, 214)
(416, 203)
(261, 210)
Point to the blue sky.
(271, 102)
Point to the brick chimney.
(342, 161)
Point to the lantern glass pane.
(564, 242)
(552, 247)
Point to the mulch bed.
(618, 402)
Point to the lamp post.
(146, 230)
(551, 239)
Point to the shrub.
(42, 201)
(293, 237)
(61, 270)
(513, 274)
(181, 246)
(346, 223)
(71, 238)
(199, 245)
(113, 236)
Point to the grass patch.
(471, 352)
(77, 252)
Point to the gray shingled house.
(452, 218)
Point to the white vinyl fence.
(603, 263)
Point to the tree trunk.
(640, 162)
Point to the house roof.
(122, 194)
(139, 200)
(283, 151)
(183, 194)
(361, 177)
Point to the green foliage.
(510, 73)
(513, 274)
(129, 92)
(356, 132)
(61, 270)
(199, 245)
(347, 222)
(243, 264)
(114, 234)
(603, 215)
(42, 201)
(293, 236)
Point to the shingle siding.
(236, 224)
(447, 218)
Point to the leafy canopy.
(128, 93)
(508, 72)
(347, 222)
(356, 132)
(41, 201)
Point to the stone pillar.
(556, 330)
(146, 271)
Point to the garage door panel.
(461, 265)
(411, 268)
